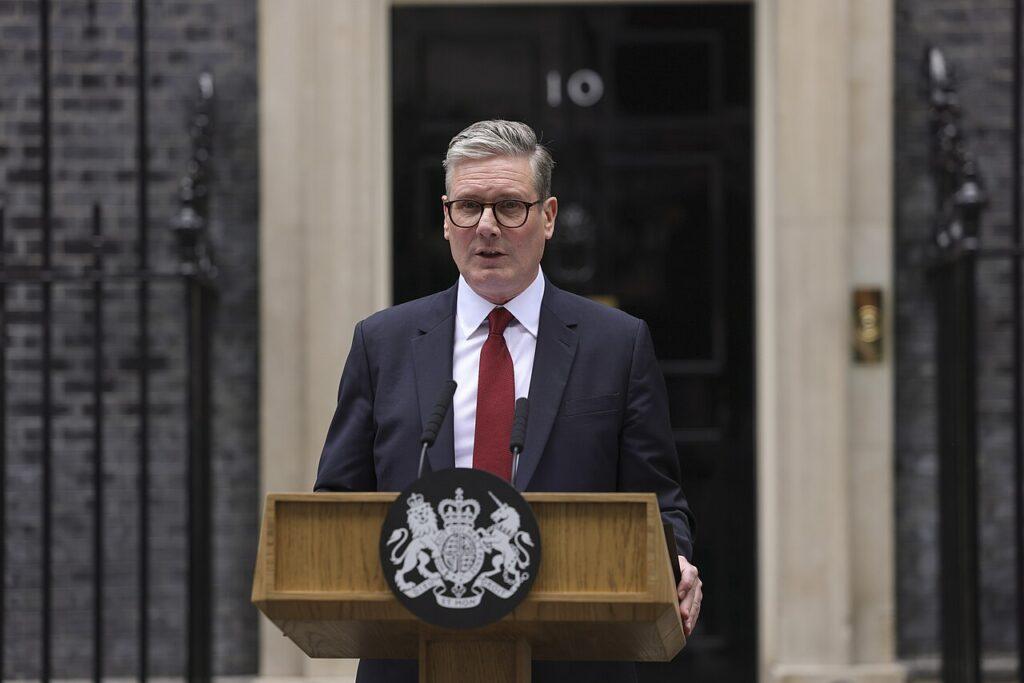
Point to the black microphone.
(444, 402)
(518, 439)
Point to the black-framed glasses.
(510, 213)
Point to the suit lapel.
(556, 348)
(432, 358)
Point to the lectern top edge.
(388, 496)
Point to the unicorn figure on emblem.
(505, 537)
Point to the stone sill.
(1002, 668)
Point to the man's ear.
(444, 218)
(550, 211)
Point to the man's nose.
(488, 223)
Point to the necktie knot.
(498, 320)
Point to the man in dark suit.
(598, 407)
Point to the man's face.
(498, 262)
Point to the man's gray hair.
(496, 137)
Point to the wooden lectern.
(605, 590)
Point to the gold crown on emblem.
(458, 512)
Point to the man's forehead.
(490, 170)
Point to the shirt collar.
(472, 309)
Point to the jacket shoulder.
(592, 313)
(410, 315)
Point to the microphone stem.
(423, 455)
(515, 466)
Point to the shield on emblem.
(461, 556)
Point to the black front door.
(647, 110)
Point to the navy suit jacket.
(598, 421)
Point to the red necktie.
(495, 400)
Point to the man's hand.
(690, 595)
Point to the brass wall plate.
(867, 325)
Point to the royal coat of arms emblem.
(454, 556)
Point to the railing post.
(46, 349)
(142, 206)
(98, 573)
(959, 200)
(1018, 324)
(200, 631)
(196, 267)
(958, 478)
(3, 429)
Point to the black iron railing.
(1017, 183)
(195, 273)
(198, 271)
(960, 199)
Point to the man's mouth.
(489, 253)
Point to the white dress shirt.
(470, 333)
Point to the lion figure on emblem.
(423, 522)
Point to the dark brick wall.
(94, 120)
(976, 36)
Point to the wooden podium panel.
(605, 590)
